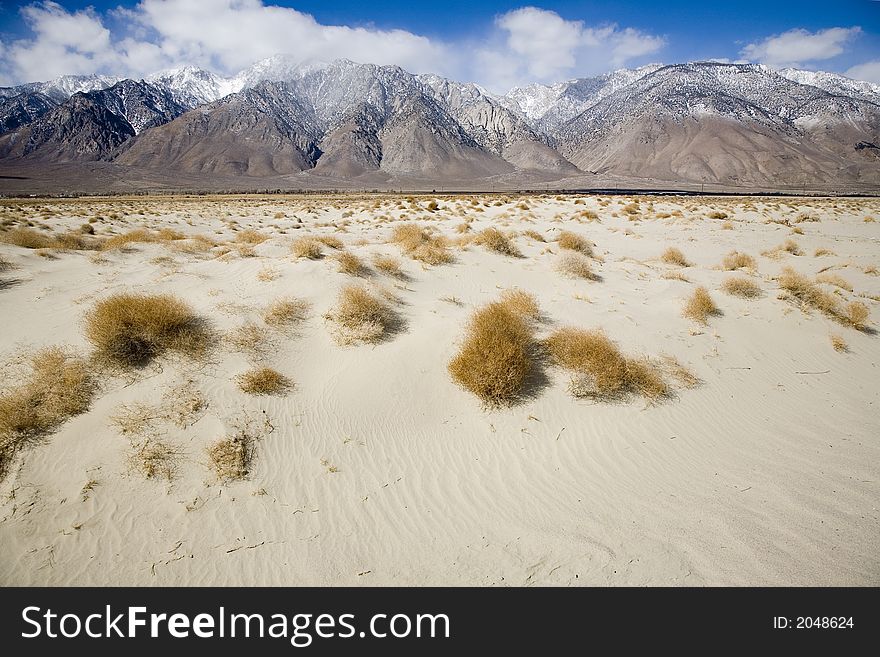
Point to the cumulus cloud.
(540, 45)
(524, 45)
(795, 47)
(869, 71)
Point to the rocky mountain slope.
(698, 122)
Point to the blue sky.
(497, 44)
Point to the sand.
(376, 469)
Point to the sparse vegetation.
(574, 242)
(673, 256)
(350, 264)
(388, 265)
(362, 316)
(740, 286)
(839, 343)
(59, 386)
(130, 330)
(576, 265)
(802, 289)
(496, 356)
(263, 381)
(599, 369)
(494, 240)
(736, 260)
(420, 245)
(700, 306)
(307, 247)
(230, 457)
(286, 311)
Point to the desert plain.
(478, 389)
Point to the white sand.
(760, 475)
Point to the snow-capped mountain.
(60, 89)
(702, 121)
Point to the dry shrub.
(140, 235)
(675, 276)
(839, 343)
(59, 386)
(286, 311)
(736, 260)
(263, 381)
(249, 338)
(574, 242)
(388, 265)
(154, 458)
(250, 236)
(700, 306)
(534, 235)
(496, 357)
(790, 246)
(521, 303)
(197, 244)
(717, 214)
(362, 316)
(673, 256)
(420, 245)
(836, 280)
(307, 247)
(818, 253)
(800, 287)
(727, 225)
(576, 265)
(600, 370)
(135, 419)
(741, 286)
(350, 264)
(230, 457)
(494, 240)
(28, 238)
(130, 330)
(330, 241)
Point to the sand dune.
(375, 468)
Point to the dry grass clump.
(330, 241)
(306, 247)
(350, 264)
(700, 306)
(140, 235)
(154, 458)
(736, 260)
(420, 245)
(362, 316)
(29, 238)
(800, 287)
(673, 256)
(286, 311)
(740, 286)
(59, 386)
(231, 456)
(494, 240)
(790, 246)
(388, 265)
(263, 381)
(496, 357)
(250, 236)
(839, 343)
(818, 253)
(600, 369)
(574, 242)
(534, 235)
(129, 330)
(717, 214)
(5, 265)
(836, 280)
(521, 303)
(249, 338)
(675, 275)
(576, 265)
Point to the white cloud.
(869, 71)
(542, 46)
(523, 45)
(795, 47)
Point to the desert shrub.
(350, 264)
(154, 458)
(388, 265)
(599, 368)
(231, 456)
(496, 357)
(700, 306)
(362, 316)
(802, 289)
(574, 242)
(263, 381)
(59, 387)
(576, 265)
(330, 241)
(521, 303)
(741, 286)
(129, 330)
(839, 343)
(673, 256)
(856, 315)
(306, 247)
(836, 280)
(250, 236)
(286, 311)
(818, 253)
(717, 214)
(736, 260)
(790, 246)
(420, 245)
(27, 238)
(494, 240)
(534, 235)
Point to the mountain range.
(700, 122)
